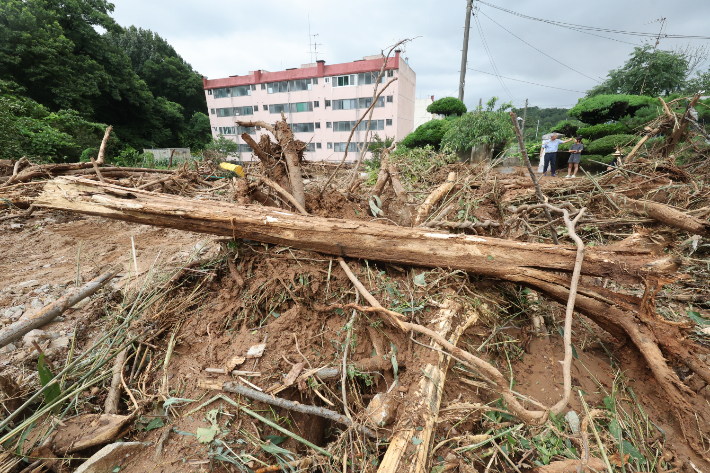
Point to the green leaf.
(174, 400)
(45, 376)
(697, 318)
(276, 439)
(609, 403)
(490, 257)
(420, 280)
(116, 469)
(574, 352)
(416, 440)
(614, 429)
(156, 423)
(631, 450)
(206, 434)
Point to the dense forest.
(62, 81)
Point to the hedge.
(607, 144)
(603, 108)
(595, 132)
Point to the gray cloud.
(221, 38)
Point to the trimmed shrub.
(595, 132)
(566, 128)
(608, 144)
(447, 106)
(603, 108)
(429, 133)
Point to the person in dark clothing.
(575, 155)
(550, 149)
(614, 162)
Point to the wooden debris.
(87, 430)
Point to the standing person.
(550, 150)
(575, 155)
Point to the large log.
(425, 247)
(664, 214)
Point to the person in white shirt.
(549, 151)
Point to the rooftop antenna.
(312, 46)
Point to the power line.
(490, 57)
(536, 49)
(533, 83)
(594, 28)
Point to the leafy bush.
(566, 127)
(447, 106)
(604, 108)
(428, 134)
(413, 164)
(376, 146)
(608, 144)
(477, 128)
(605, 129)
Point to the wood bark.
(679, 130)
(434, 198)
(422, 406)
(415, 246)
(664, 214)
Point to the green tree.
(197, 133)
(603, 108)
(447, 106)
(490, 127)
(648, 71)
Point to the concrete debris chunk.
(113, 456)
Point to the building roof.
(320, 70)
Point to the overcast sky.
(222, 38)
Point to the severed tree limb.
(96, 169)
(664, 214)
(650, 133)
(101, 159)
(15, 170)
(114, 393)
(47, 314)
(436, 195)
(365, 147)
(283, 193)
(157, 181)
(293, 406)
(538, 191)
(352, 132)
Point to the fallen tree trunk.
(422, 406)
(434, 198)
(414, 246)
(664, 214)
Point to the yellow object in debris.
(237, 169)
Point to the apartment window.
(390, 73)
(364, 102)
(340, 147)
(315, 81)
(389, 122)
(253, 87)
(389, 98)
(329, 145)
(235, 111)
(245, 148)
(232, 91)
(263, 86)
(209, 91)
(278, 108)
(344, 81)
(318, 125)
(327, 79)
(246, 129)
(212, 111)
(319, 146)
(327, 103)
(310, 147)
(214, 128)
(226, 130)
(302, 127)
(316, 104)
(365, 78)
(265, 107)
(301, 107)
(289, 85)
(375, 125)
(328, 125)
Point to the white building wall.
(421, 116)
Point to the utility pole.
(536, 129)
(525, 114)
(480, 104)
(462, 80)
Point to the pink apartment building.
(321, 104)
